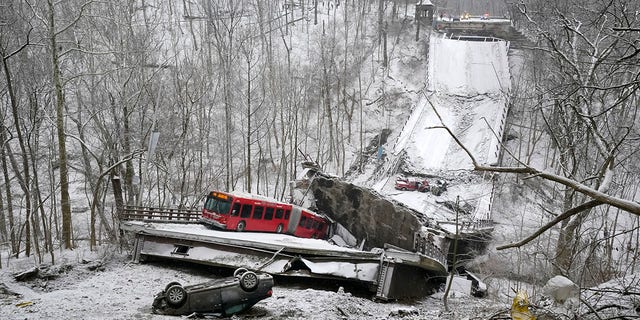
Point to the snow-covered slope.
(467, 80)
(467, 86)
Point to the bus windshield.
(218, 206)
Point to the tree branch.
(550, 224)
(625, 29)
(626, 205)
(26, 43)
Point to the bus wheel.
(241, 225)
(279, 228)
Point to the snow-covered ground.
(124, 290)
(119, 289)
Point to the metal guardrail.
(152, 214)
(472, 38)
(482, 224)
(424, 244)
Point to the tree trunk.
(5, 171)
(248, 132)
(62, 148)
(24, 179)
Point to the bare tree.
(54, 32)
(22, 173)
(587, 104)
(224, 18)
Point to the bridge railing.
(472, 38)
(424, 244)
(152, 214)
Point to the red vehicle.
(412, 185)
(248, 212)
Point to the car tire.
(239, 272)
(249, 281)
(279, 228)
(166, 288)
(241, 226)
(176, 296)
(403, 189)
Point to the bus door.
(234, 216)
(270, 224)
(244, 219)
(280, 218)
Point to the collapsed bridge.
(389, 272)
(389, 268)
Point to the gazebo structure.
(425, 10)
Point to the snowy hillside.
(239, 103)
(467, 86)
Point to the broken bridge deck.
(390, 272)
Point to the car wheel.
(249, 281)
(403, 189)
(279, 228)
(241, 225)
(175, 295)
(170, 285)
(239, 272)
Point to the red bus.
(248, 212)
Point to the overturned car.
(221, 296)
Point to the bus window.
(257, 212)
(268, 213)
(309, 223)
(302, 221)
(236, 209)
(320, 226)
(217, 205)
(246, 211)
(287, 214)
(315, 225)
(279, 213)
(211, 201)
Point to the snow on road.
(467, 86)
(466, 82)
(274, 239)
(468, 68)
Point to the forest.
(231, 97)
(179, 98)
(576, 126)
